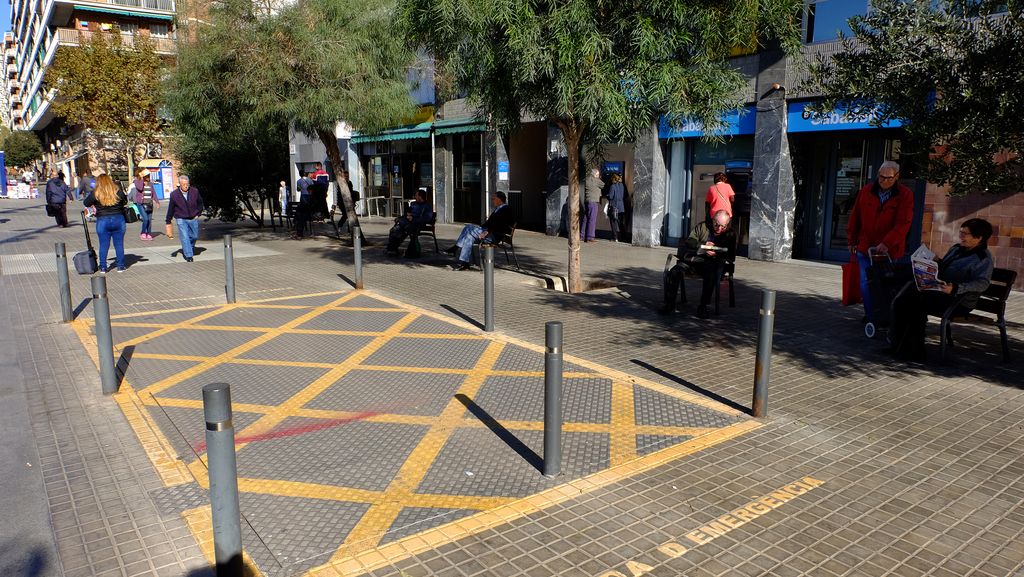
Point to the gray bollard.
(67, 313)
(552, 398)
(229, 269)
(488, 288)
(104, 337)
(357, 241)
(763, 365)
(220, 457)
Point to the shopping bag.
(851, 282)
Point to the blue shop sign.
(737, 122)
(802, 120)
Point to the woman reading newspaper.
(963, 274)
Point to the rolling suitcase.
(85, 261)
(885, 279)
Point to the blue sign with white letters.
(737, 122)
(802, 120)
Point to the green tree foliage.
(946, 70)
(21, 148)
(110, 86)
(316, 63)
(600, 70)
(234, 154)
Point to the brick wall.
(943, 215)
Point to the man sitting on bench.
(699, 255)
(417, 214)
(494, 229)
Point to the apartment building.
(11, 100)
(38, 29)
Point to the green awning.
(457, 125)
(421, 130)
(125, 12)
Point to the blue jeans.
(469, 235)
(865, 294)
(145, 218)
(188, 230)
(107, 228)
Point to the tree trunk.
(334, 155)
(572, 135)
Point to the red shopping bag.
(851, 282)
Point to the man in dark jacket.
(494, 229)
(185, 207)
(57, 195)
(699, 254)
(303, 212)
(416, 215)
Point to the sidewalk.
(918, 466)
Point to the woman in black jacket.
(109, 201)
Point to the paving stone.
(334, 349)
(522, 399)
(255, 384)
(404, 393)
(414, 520)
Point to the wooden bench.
(992, 301)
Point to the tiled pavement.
(920, 465)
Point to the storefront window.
(849, 178)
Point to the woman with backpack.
(144, 199)
(109, 201)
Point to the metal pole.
(488, 288)
(104, 338)
(229, 269)
(762, 368)
(67, 313)
(220, 458)
(357, 240)
(552, 398)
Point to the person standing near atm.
(720, 197)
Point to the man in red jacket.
(880, 220)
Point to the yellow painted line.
(601, 370)
(379, 517)
(173, 327)
(288, 298)
(156, 446)
(394, 418)
(360, 562)
(622, 432)
(161, 312)
(243, 348)
(314, 389)
(372, 309)
(200, 523)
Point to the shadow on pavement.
(502, 433)
(463, 316)
(19, 558)
(693, 387)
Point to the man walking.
(592, 203)
(185, 207)
(302, 212)
(881, 217)
(57, 195)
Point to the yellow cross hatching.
(384, 505)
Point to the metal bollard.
(220, 457)
(552, 398)
(67, 313)
(229, 269)
(762, 368)
(357, 240)
(104, 338)
(488, 288)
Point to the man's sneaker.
(461, 266)
(702, 312)
(120, 269)
(188, 259)
(103, 271)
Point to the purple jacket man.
(185, 206)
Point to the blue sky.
(5, 15)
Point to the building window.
(159, 30)
(129, 28)
(825, 19)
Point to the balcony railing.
(72, 37)
(166, 5)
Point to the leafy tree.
(4, 133)
(235, 155)
(943, 69)
(600, 70)
(321, 62)
(22, 147)
(111, 87)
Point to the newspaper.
(926, 270)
